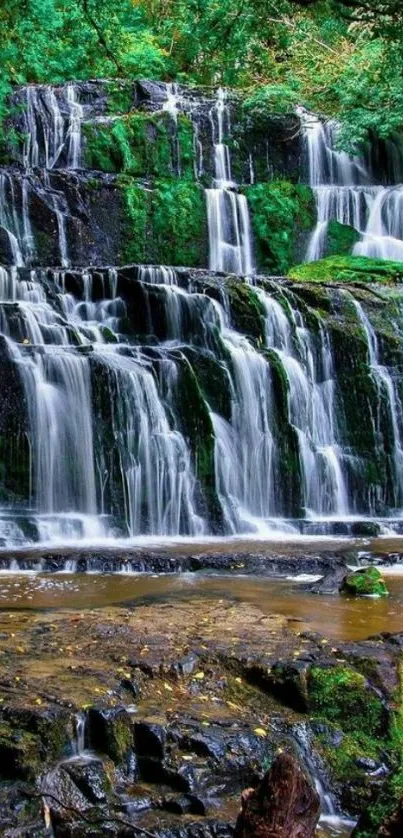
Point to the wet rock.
(289, 681)
(110, 732)
(19, 753)
(149, 740)
(285, 804)
(366, 529)
(365, 582)
(184, 667)
(92, 777)
(330, 583)
(186, 804)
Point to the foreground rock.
(365, 582)
(285, 804)
(178, 707)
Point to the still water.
(338, 617)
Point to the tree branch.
(100, 35)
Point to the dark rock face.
(109, 731)
(285, 804)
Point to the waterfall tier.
(346, 190)
(149, 400)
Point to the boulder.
(365, 582)
(110, 732)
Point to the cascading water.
(388, 391)
(230, 238)
(345, 191)
(133, 383)
(52, 122)
(311, 384)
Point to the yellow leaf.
(260, 732)
(168, 687)
(38, 701)
(199, 676)
(238, 680)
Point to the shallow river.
(338, 617)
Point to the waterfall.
(133, 403)
(230, 238)
(386, 390)
(52, 121)
(311, 385)
(74, 130)
(345, 192)
(9, 219)
(245, 447)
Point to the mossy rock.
(281, 212)
(19, 753)
(348, 269)
(164, 225)
(366, 582)
(110, 732)
(342, 695)
(246, 310)
(355, 763)
(142, 145)
(340, 239)
(385, 812)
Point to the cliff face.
(126, 169)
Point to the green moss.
(142, 145)
(340, 239)
(166, 225)
(179, 224)
(390, 795)
(366, 582)
(120, 96)
(381, 808)
(19, 753)
(348, 269)
(342, 695)
(247, 312)
(198, 429)
(281, 213)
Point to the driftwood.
(285, 804)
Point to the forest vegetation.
(341, 58)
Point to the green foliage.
(136, 201)
(272, 98)
(340, 239)
(179, 223)
(165, 225)
(348, 269)
(137, 144)
(317, 53)
(280, 212)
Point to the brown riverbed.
(338, 617)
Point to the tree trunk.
(285, 805)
